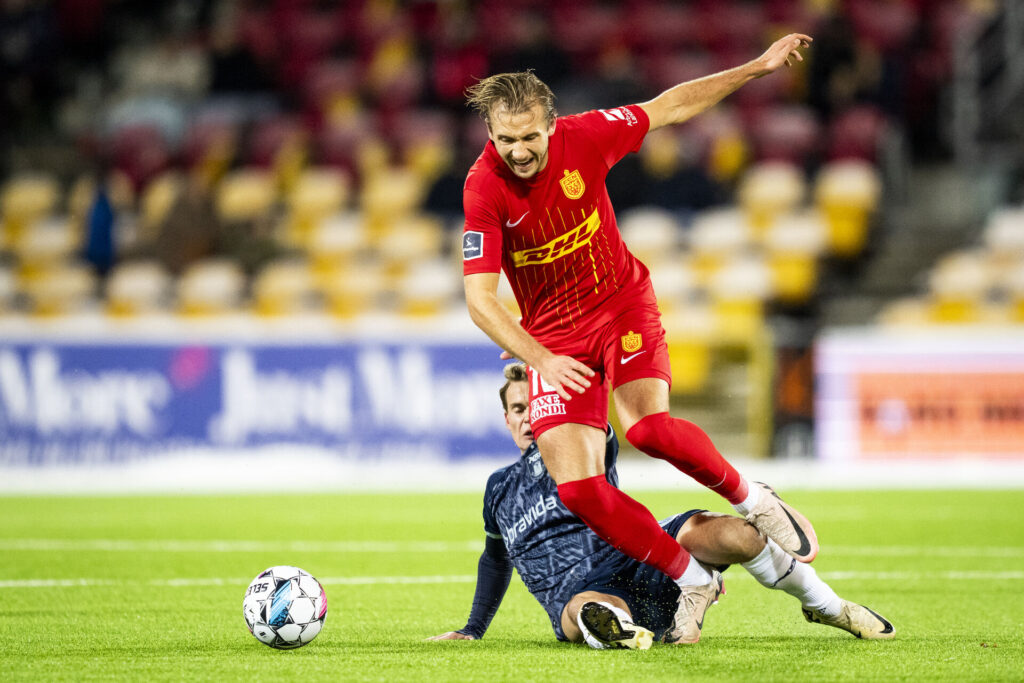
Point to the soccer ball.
(284, 607)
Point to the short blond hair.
(518, 91)
(514, 372)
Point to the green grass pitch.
(150, 588)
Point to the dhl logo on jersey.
(563, 245)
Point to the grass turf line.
(140, 627)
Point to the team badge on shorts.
(632, 342)
(572, 184)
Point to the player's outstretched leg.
(687, 447)
(605, 626)
(693, 604)
(783, 524)
(859, 620)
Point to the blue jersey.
(551, 548)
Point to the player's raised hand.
(785, 50)
(565, 373)
(452, 635)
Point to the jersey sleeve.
(481, 236)
(491, 527)
(616, 132)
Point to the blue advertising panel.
(83, 403)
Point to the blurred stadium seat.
(848, 193)
(138, 287)
(27, 198)
(286, 287)
(211, 287)
(61, 289)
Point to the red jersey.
(555, 234)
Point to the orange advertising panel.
(940, 414)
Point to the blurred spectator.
(192, 230)
(662, 175)
(233, 66)
(843, 70)
(29, 47)
(99, 238)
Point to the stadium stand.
(278, 157)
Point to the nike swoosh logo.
(805, 545)
(626, 359)
(512, 225)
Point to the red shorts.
(631, 346)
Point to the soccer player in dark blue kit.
(591, 592)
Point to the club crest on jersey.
(536, 465)
(632, 342)
(572, 184)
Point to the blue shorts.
(652, 595)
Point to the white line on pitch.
(235, 546)
(213, 581)
(979, 575)
(225, 546)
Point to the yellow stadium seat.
(337, 240)
(691, 329)
(317, 194)
(906, 312)
(26, 199)
(285, 287)
(650, 233)
(674, 280)
(715, 237)
(157, 199)
(428, 288)
(411, 239)
(355, 289)
(738, 291)
(958, 285)
(60, 289)
(210, 287)
(246, 194)
(769, 190)
(390, 194)
(137, 288)
(45, 243)
(794, 244)
(847, 193)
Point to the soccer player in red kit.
(536, 207)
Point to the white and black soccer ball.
(284, 607)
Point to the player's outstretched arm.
(493, 573)
(686, 100)
(561, 372)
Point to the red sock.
(624, 523)
(690, 450)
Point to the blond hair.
(518, 91)
(514, 372)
